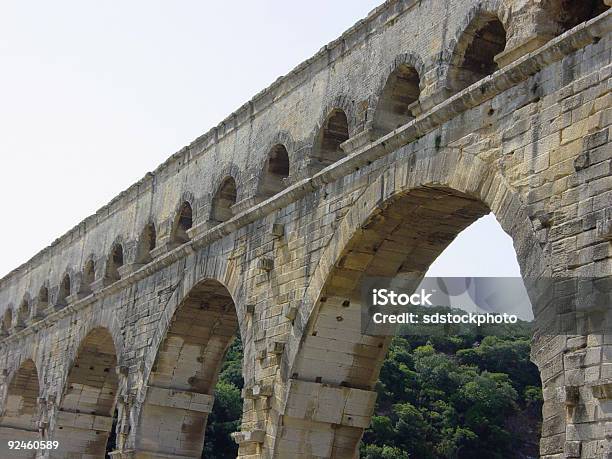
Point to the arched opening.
(23, 313)
(89, 276)
(19, 419)
(186, 369)
(85, 416)
(509, 396)
(43, 295)
(401, 91)
(43, 301)
(572, 12)
(326, 149)
(474, 55)
(146, 243)
(223, 201)
(182, 223)
(276, 171)
(65, 290)
(7, 322)
(336, 379)
(115, 261)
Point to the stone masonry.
(367, 159)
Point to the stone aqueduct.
(367, 159)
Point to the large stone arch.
(400, 223)
(20, 412)
(179, 393)
(84, 419)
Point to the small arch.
(146, 243)
(334, 131)
(23, 312)
(223, 201)
(572, 12)
(65, 289)
(395, 104)
(89, 276)
(42, 301)
(182, 223)
(474, 54)
(276, 171)
(115, 261)
(43, 295)
(21, 407)
(7, 321)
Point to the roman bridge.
(367, 159)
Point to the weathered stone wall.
(529, 143)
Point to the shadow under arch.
(399, 94)
(225, 197)
(180, 387)
(275, 171)
(183, 222)
(476, 49)
(570, 14)
(7, 322)
(397, 228)
(333, 132)
(84, 421)
(19, 420)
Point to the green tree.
(227, 409)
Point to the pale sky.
(93, 94)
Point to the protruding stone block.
(261, 354)
(276, 347)
(572, 396)
(290, 312)
(250, 436)
(278, 230)
(266, 264)
(261, 390)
